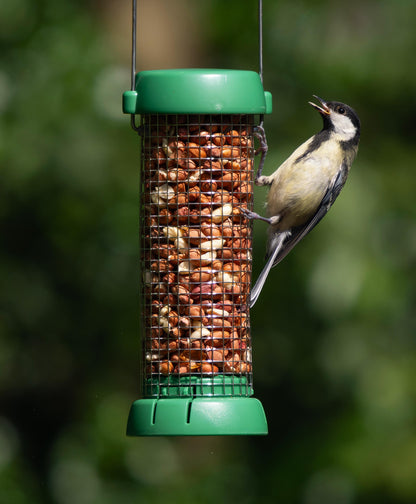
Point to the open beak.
(324, 109)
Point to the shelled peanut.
(196, 244)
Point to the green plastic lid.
(197, 91)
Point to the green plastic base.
(201, 416)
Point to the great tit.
(305, 186)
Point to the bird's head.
(340, 118)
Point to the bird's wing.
(279, 240)
(300, 232)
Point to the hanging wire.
(133, 45)
(259, 130)
(261, 64)
(261, 40)
(133, 58)
(133, 53)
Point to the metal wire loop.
(133, 59)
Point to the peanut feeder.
(197, 156)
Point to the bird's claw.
(260, 134)
(253, 215)
(248, 213)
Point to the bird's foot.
(260, 134)
(253, 215)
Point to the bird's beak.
(325, 110)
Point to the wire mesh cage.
(195, 255)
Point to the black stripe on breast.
(315, 143)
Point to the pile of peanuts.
(196, 244)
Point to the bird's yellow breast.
(300, 184)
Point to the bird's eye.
(341, 110)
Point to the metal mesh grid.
(197, 172)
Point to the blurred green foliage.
(334, 332)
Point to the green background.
(333, 332)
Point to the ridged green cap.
(201, 416)
(197, 91)
(224, 408)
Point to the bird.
(305, 186)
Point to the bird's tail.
(279, 239)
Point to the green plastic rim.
(195, 386)
(197, 91)
(201, 416)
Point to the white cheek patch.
(343, 126)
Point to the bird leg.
(255, 216)
(260, 134)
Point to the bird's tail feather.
(276, 247)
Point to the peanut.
(220, 214)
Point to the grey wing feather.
(330, 196)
